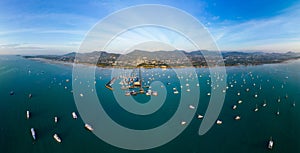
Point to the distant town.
(177, 58)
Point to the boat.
(110, 83)
(74, 115)
(33, 133)
(12, 93)
(219, 122)
(192, 107)
(55, 119)
(240, 101)
(237, 118)
(200, 116)
(271, 143)
(27, 114)
(149, 92)
(264, 104)
(127, 93)
(154, 93)
(294, 104)
(176, 92)
(57, 138)
(277, 113)
(30, 96)
(278, 100)
(234, 107)
(256, 109)
(88, 127)
(183, 123)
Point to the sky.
(60, 26)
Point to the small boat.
(176, 92)
(30, 96)
(294, 104)
(277, 113)
(110, 83)
(238, 93)
(183, 123)
(208, 94)
(286, 96)
(27, 114)
(278, 100)
(127, 93)
(81, 95)
(74, 115)
(149, 92)
(55, 119)
(271, 143)
(12, 93)
(33, 133)
(240, 101)
(237, 118)
(192, 107)
(200, 116)
(57, 138)
(219, 122)
(88, 127)
(256, 109)
(264, 104)
(255, 96)
(234, 107)
(154, 93)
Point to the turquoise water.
(47, 84)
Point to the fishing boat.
(55, 119)
(27, 114)
(57, 138)
(74, 115)
(32, 133)
(271, 143)
(88, 127)
(110, 83)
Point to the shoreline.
(131, 67)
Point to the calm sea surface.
(52, 96)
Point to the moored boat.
(88, 127)
(57, 138)
(271, 143)
(74, 115)
(27, 114)
(32, 133)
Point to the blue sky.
(59, 26)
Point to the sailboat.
(110, 83)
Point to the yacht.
(33, 133)
(74, 115)
(88, 127)
(264, 104)
(55, 119)
(27, 114)
(57, 138)
(183, 123)
(149, 92)
(240, 101)
(271, 143)
(176, 92)
(154, 93)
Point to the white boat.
(33, 133)
(74, 115)
(294, 104)
(57, 138)
(30, 96)
(271, 143)
(237, 118)
(256, 109)
(27, 114)
(234, 107)
(240, 101)
(55, 119)
(191, 107)
(88, 127)
(149, 92)
(219, 122)
(154, 93)
(200, 116)
(264, 104)
(277, 113)
(183, 123)
(176, 92)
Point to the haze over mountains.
(172, 58)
